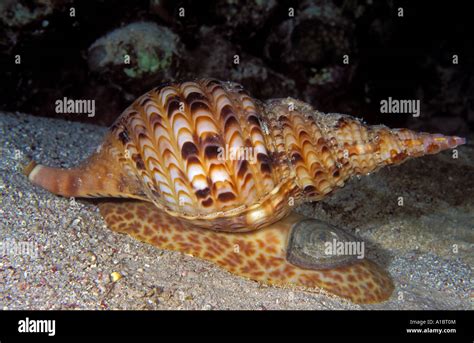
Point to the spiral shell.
(178, 146)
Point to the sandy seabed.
(426, 244)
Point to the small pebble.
(115, 276)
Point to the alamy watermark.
(400, 106)
(229, 153)
(345, 248)
(28, 325)
(13, 248)
(71, 106)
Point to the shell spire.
(371, 147)
(323, 150)
(401, 142)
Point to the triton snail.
(167, 154)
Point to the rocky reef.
(339, 55)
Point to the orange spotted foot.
(284, 253)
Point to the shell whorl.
(179, 139)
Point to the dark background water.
(409, 57)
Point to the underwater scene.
(236, 155)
